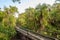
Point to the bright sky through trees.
(24, 3)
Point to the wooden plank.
(33, 36)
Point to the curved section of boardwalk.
(26, 35)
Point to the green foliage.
(7, 23)
(6, 32)
(44, 19)
(16, 1)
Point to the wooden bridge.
(27, 35)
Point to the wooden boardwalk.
(25, 35)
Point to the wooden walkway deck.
(26, 35)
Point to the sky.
(32, 3)
(24, 4)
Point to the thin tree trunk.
(40, 22)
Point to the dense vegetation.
(43, 19)
(7, 23)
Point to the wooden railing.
(32, 35)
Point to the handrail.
(32, 35)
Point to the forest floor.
(20, 37)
